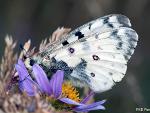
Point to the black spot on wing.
(118, 48)
(95, 57)
(65, 43)
(92, 74)
(90, 24)
(119, 38)
(105, 20)
(71, 50)
(120, 44)
(110, 25)
(79, 34)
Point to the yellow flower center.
(70, 92)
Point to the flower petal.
(56, 83)
(100, 107)
(87, 98)
(41, 79)
(21, 64)
(93, 106)
(69, 101)
(25, 83)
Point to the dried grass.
(14, 101)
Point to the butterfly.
(95, 54)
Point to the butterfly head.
(43, 61)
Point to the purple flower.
(52, 88)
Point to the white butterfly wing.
(98, 51)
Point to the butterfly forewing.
(98, 51)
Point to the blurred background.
(37, 19)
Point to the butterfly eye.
(92, 74)
(95, 57)
(65, 43)
(32, 62)
(71, 50)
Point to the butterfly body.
(95, 54)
